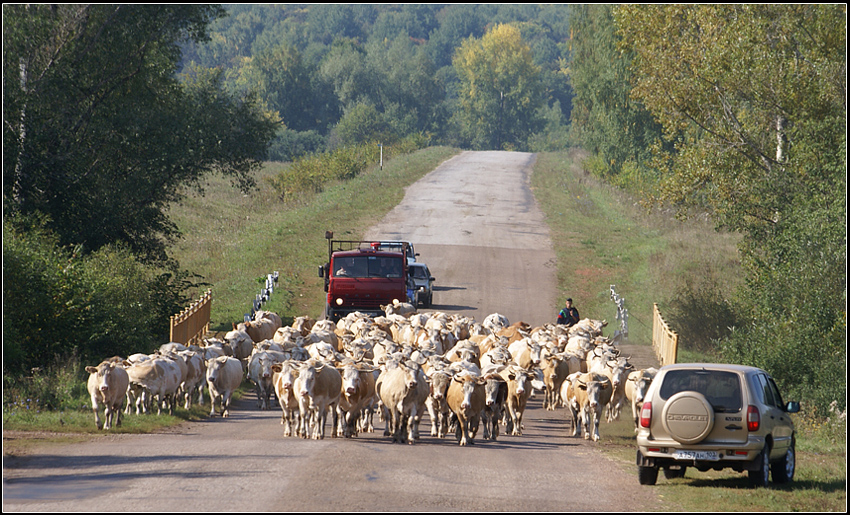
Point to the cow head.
(439, 383)
(468, 383)
(104, 373)
(213, 368)
(308, 373)
(350, 380)
(286, 374)
(521, 378)
(594, 385)
(492, 385)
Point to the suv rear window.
(721, 389)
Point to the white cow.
(107, 386)
(319, 387)
(260, 373)
(636, 386)
(224, 375)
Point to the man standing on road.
(569, 315)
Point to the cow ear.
(582, 387)
(91, 370)
(277, 367)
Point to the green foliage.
(59, 302)
(102, 136)
(362, 123)
(755, 99)
(289, 145)
(606, 120)
(312, 173)
(700, 312)
(500, 91)
(314, 63)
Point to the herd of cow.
(466, 375)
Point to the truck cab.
(362, 276)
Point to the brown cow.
(519, 389)
(284, 378)
(555, 369)
(586, 396)
(107, 386)
(466, 399)
(438, 409)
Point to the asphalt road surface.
(475, 223)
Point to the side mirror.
(321, 271)
(792, 407)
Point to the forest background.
(114, 113)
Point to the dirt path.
(475, 223)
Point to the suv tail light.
(645, 414)
(753, 418)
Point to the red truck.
(362, 276)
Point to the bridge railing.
(665, 341)
(190, 325)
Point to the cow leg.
(95, 407)
(432, 414)
(463, 427)
(596, 417)
(225, 404)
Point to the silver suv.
(423, 282)
(715, 416)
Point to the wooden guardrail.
(665, 341)
(191, 324)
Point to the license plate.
(696, 455)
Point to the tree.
(500, 91)
(605, 119)
(101, 136)
(282, 80)
(755, 98)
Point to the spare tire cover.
(688, 417)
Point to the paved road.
(474, 222)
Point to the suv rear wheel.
(648, 475)
(783, 470)
(759, 477)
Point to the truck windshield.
(368, 266)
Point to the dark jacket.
(568, 317)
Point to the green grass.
(603, 237)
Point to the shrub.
(311, 173)
(62, 302)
